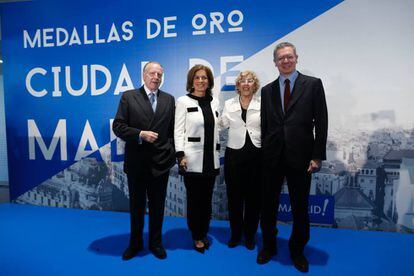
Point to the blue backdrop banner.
(66, 64)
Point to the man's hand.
(314, 166)
(148, 136)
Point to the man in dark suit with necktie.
(145, 121)
(294, 121)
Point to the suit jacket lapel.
(275, 97)
(161, 105)
(143, 102)
(297, 91)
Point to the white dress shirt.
(148, 91)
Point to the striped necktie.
(152, 101)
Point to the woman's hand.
(182, 164)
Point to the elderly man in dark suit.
(294, 121)
(145, 121)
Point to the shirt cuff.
(139, 138)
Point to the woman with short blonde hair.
(241, 115)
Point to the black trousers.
(243, 184)
(199, 196)
(141, 187)
(298, 182)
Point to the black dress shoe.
(131, 252)
(250, 244)
(206, 243)
(265, 255)
(158, 252)
(301, 263)
(233, 243)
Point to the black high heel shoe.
(206, 243)
(250, 244)
(199, 249)
(233, 243)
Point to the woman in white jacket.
(241, 115)
(197, 145)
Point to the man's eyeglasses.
(289, 58)
(155, 74)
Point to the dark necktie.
(286, 96)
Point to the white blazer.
(231, 119)
(189, 132)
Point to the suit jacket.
(135, 114)
(298, 135)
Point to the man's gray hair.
(281, 46)
(151, 62)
